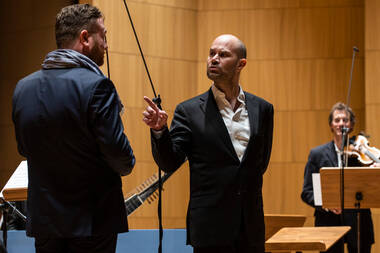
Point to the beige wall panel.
(174, 80)
(282, 189)
(287, 33)
(329, 3)
(372, 21)
(205, 5)
(185, 4)
(162, 31)
(373, 124)
(260, 4)
(27, 15)
(203, 82)
(372, 84)
(331, 83)
(282, 151)
(304, 84)
(21, 57)
(305, 33)
(213, 23)
(6, 91)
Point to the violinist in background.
(328, 155)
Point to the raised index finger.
(151, 104)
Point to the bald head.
(236, 44)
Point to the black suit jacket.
(223, 191)
(325, 156)
(68, 127)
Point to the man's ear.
(242, 63)
(84, 38)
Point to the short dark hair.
(342, 107)
(72, 19)
(241, 50)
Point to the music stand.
(14, 190)
(361, 189)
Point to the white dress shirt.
(237, 123)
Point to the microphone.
(355, 49)
(345, 130)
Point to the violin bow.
(157, 101)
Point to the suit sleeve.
(307, 194)
(108, 128)
(268, 137)
(170, 149)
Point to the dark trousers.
(92, 244)
(241, 245)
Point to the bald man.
(226, 135)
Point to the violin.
(361, 149)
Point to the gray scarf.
(68, 58)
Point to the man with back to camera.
(68, 126)
(226, 134)
(328, 155)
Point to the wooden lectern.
(305, 238)
(274, 222)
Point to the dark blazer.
(68, 127)
(223, 191)
(325, 156)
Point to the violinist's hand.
(336, 211)
(375, 165)
(153, 116)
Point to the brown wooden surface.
(274, 222)
(15, 194)
(356, 179)
(305, 238)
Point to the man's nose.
(215, 59)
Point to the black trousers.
(241, 245)
(92, 244)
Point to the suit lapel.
(253, 114)
(214, 118)
(331, 154)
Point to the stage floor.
(142, 241)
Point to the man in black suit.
(68, 126)
(327, 155)
(226, 134)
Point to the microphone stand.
(345, 138)
(157, 101)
